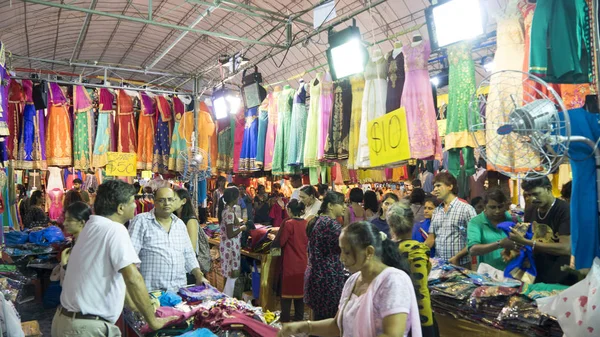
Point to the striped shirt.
(450, 229)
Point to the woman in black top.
(185, 211)
(34, 215)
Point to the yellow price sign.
(121, 164)
(388, 139)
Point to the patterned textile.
(126, 138)
(312, 124)
(4, 79)
(84, 119)
(230, 249)
(16, 100)
(395, 84)
(295, 146)
(339, 127)
(225, 140)
(166, 256)
(263, 122)
(271, 129)
(325, 272)
(417, 254)
(324, 117)
(358, 86)
(146, 129)
(280, 153)
(178, 141)
(58, 137)
(450, 229)
(249, 147)
(160, 160)
(105, 131)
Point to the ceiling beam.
(149, 9)
(240, 11)
(82, 32)
(260, 9)
(155, 23)
(182, 35)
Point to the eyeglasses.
(165, 200)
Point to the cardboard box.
(31, 329)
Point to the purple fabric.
(42, 133)
(28, 89)
(147, 104)
(179, 316)
(200, 293)
(57, 97)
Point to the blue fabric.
(169, 299)
(46, 236)
(249, 144)
(585, 240)
(199, 333)
(162, 147)
(417, 236)
(202, 190)
(52, 295)
(525, 255)
(263, 121)
(28, 131)
(382, 225)
(16, 238)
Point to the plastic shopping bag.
(577, 308)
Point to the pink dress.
(390, 293)
(56, 207)
(417, 99)
(230, 249)
(271, 129)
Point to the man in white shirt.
(102, 272)
(163, 244)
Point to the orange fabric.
(574, 94)
(186, 127)
(206, 126)
(58, 137)
(126, 125)
(145, 142)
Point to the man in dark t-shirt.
(551, 220)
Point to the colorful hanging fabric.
(358, 87)
(4, 79)
(207, 137)
(105, 131)
(160, 160)
(58, 137)
(272, 128)
(324, 116)
(146, 128)
(298, 127)
(284, 118)
(126, 137)
(263, 123)
(16, 101)
(238, 139)
(248, 155)
(84, 119)
(339, 127)
(178, 143)
(29, 155)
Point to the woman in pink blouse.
(378, 299)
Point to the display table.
(268, 298)
(452, 327)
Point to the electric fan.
(527, 129)
(196, 161)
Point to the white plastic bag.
(577, 308)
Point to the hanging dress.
(263, 123)
(295, 147)
(104, 133)
(358, 87)
(507, 153)
(417, 99)
(238, 138)
(248, 155)
(207, 137)
(16, 101)
(395, 83)
(160, 160)
(312, 124)
(281, 155)
(145, 133)
(271, 129)
(84, 119)
(29, 155)
(4, 131)
(373, 105)
(126, 138)
(225, 145)
(339, 127)
(187, 125)
(58, 136)
(325, 109)
(178, 143)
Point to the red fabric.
(251, 326)
(257, 235)
(278, 213)
(294, 244)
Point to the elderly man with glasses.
(161, 240)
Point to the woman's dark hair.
(187, 210)
(370, 201)
(79, 210)
(22, 191)
(363, 234)
(323, 189)
(476, 200)
(387, 196)
(566, 190)
(110, 195)
(70, 197)
(417, 196)
(448, 180)
(36, 196)
(229, 195)
(309, 190)
(432, 200)
(332, 197)
(357, 195)
(296, 207)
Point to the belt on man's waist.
(78, 315)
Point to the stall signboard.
(121, 164)
(388, 139)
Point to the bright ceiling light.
(454, 21)
(435, 81)
(346, 54)
(225, 102)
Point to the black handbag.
(252, 92)
(40, 95)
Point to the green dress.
(178, 144)
(280, 153)
(83, 129)
(560, 41)
(461, 87)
